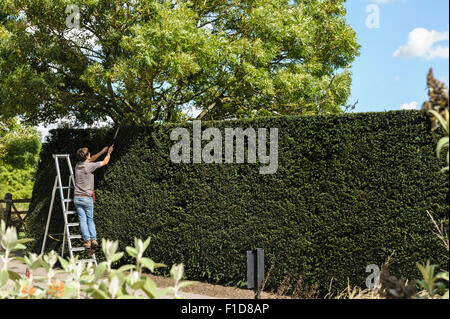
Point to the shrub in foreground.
(81, 280)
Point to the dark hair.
(82, 153)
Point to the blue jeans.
(85, 210)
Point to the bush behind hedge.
(349, 190)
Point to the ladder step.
(78, 248)
(73, 224)
(64, 187)
(69, 212)
(75, 236)
(68, 200)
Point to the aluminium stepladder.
(66, 212)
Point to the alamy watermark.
(73, 18)
(373, 280)
(212, 152)
(373, 19)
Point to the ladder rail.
(71, 179)
(63, 205)
(49, 216)
(58, 175)
(71, 176)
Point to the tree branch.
(326, 95)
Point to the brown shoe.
(87, 244)
(94, 244)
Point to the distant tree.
(143, 61)
(19, 153)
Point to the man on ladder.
(84, 196)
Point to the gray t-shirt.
(84, 177)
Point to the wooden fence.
(11, 215)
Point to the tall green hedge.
(349, 191)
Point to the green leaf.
(9, 240)
(131, 251)
(21, 259)
(442, 275)
(35, 265)
(177, 272)
(18, 247)
(126, 267)
(443, 142)
(114, 286)
(25, 240)
(64, 263)
(119, 275)
(99, 270)
(149, 288)
(148, 263)
(69, 292)
(444, 123)
(440, 286)
(116, 256)
(40, 278)
(4, 276)
(13, 275)
(99, 294)
(138, 284)
(146, 243)
(86, 278)
(164, 292)
(148, 60)
(159, 265)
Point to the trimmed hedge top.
(349, 190)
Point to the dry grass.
(440, 232)
(358, 293)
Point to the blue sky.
(411, 37)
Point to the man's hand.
(105, 149)
(108, 156)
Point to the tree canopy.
(146, 61)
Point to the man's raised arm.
(96, 156)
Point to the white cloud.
(439, 52)
(421, 44)
(409, 106)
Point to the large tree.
(143, 61)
